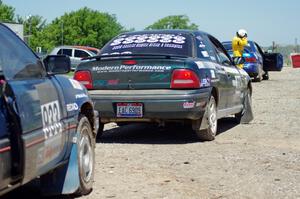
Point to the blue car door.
(37, 103)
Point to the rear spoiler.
(102, 57)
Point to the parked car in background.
(255, 59)
(47, 122)
(167, 76)
(76, 53)
(92, 49)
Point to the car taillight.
(184, 78)
(85, 78)
(250, 59)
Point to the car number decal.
(51, 116)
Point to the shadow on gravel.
(30, 191)
(152, 134)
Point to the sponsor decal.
(205, 82)
(51, 117)
(148, 41)
(189, 104)
(148, 38)
(202, 45)
(213, 74)
(213, 58)
(199, 38)
(126, 68)
(72, 107)
(200, 64)
(76, 84)
(82, 95)
(205, 53)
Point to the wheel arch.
(215, 93)
(87, 110)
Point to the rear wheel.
(85, 156)
(266, 76)
(206, 129)
(259, 76)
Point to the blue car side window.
(17, 61)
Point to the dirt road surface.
(258, 160)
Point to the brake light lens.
(250, 59)
(85, 78)
(129, 62)
(184, 78)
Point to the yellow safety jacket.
(238, 45)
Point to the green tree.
(7, 13)
(173, 22)
(33, 25)
(82, 27)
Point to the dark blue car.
(253, 60)
(47, 122)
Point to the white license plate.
(129, 110)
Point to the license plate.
(129, 110)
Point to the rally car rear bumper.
(157, 104)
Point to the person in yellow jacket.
(238, 44)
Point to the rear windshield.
(174, 44)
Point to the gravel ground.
(258, 160)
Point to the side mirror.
(57, 64)
(238, 60)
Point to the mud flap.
(64, 180)
(247, 114)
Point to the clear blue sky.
(265, 20)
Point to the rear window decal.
(148, 40)
(205, 53)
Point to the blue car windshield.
(150, 43)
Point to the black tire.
(258, 78)
(86, 156)
(246, 115)
(206, 128)
(266, 76)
